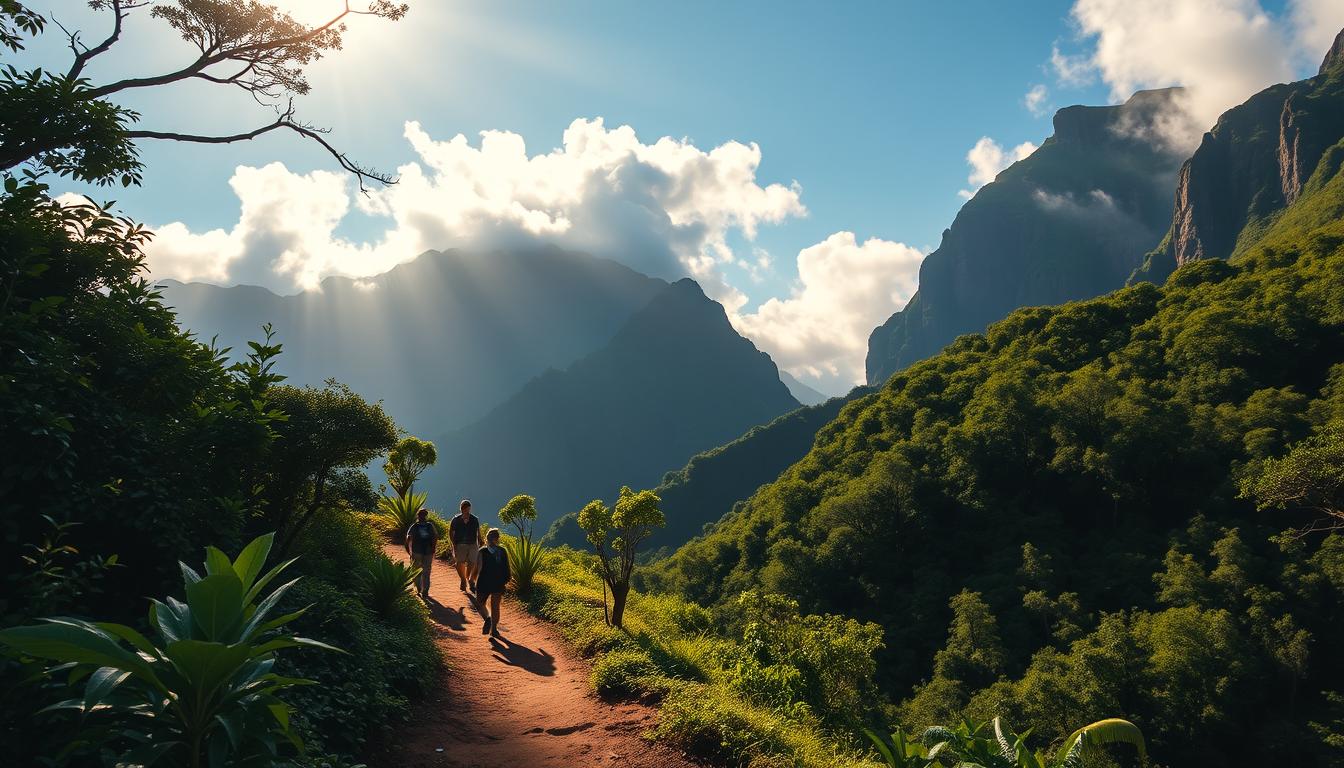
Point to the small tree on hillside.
(1310, 476)
(525, 557)
(616, 535)
(407, 462)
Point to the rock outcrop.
(1071, 221)
(1251, 167)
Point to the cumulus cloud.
(1036, 100)
(1314, 25)
(987, 159)
(1076, 70)
(1223, 51)
(667, 208)
(844, 290)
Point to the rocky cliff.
(1253, 165)
(1071, 221)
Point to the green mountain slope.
(713, 482)
(1071, 221)
(440, 339)
(1047, 518)
(675, 380)
(1262, 157)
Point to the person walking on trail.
(490, 585)
(464, 531)
(422, 539)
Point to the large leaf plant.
(202, 693)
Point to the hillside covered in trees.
(1084, 511)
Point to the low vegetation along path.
(518, 701)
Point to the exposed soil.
(516, 701)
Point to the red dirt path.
(515, 702)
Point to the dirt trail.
(514, 702)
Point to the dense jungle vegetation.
(1059, 520)
(130, 445)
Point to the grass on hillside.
(667, 653)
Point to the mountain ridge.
(675, 380)
(1071, 221)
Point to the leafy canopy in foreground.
(203, 692)
(64, 123)
(994, 745)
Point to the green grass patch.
(668, 652)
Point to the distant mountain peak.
(1335, 56)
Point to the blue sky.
(869, 108)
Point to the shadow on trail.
(538, 662)
(452, 618)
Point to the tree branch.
(206, 60)
(284, 121)
(119, 11)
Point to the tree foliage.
(1117, 437)
(67, 124)
(615, 535)
(202, 693)
(407, 461)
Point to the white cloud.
(844, 290)
(1223, 51)
(1036, 100)
(1075, 71)
(1314, 25)
(987, 159)
(666, 208)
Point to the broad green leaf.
(172, 619)
(266, 579)
(250, 561)
(206, 665)
(1110, 731)
(189, 574)
(216, 604)
(216, 562)
(101, 683)
(264, 608)
(72, 640)
(129, 635)
(281, 643)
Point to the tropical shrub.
(994, 745)
(525, 555)
(386, 582)
(389, 660)
(202, 693)
(398, 512)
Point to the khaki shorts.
(468, 554)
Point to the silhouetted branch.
(285, 121)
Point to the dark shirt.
(494, 575)
(462, 532)
(422, 538)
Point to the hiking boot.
(485, 627)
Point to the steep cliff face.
(1253, 165)
(1070, 222)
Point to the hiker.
(464, 531)
(494, 576)
(422, 539)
